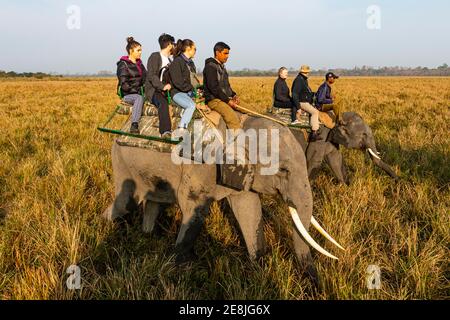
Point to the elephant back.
(149, 126)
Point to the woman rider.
(131, 74)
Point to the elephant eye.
(284, 170)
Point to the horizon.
(81, 37)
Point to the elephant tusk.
(316, 225)
(306, 236)
(373, 154)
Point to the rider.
(217, 89)
(155, 84)
(303, 98)
(181, 71)
(325, 98)
(282, 96)
(131, 74)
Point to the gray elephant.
(151, 178)
(352, 133)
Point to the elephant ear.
(235, 176)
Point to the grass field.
(55, 181)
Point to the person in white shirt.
(157, 83)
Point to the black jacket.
(180, 75)
(216, 82)
(281, 91)
(301, 92)
(153, 82)
(131, 75)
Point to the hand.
(167, 87)
(236, 99)
(203, 107)
(232, 103)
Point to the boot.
(134, 128)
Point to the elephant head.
(291, 182)
(353, 133)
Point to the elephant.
(351, 132)
(151, 178)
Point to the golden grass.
(55, 181)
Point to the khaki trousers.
(336, 107)
(229, 115)
(314, 114)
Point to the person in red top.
(131, 74)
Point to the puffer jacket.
(131, 75)
(216, 82)
(180, 75)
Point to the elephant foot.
(112, 214)
(309, 270)
(348, 181)
(260, 254)
(183, 258)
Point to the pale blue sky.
(263, 34)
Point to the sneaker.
(134, 128)
(182, 132)
(314, 136)
(296, 122)
(167, 135)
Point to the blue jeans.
(184, 100)
(138, 103)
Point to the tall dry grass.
(55, 181)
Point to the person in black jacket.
(217, 90)
(325, 98)
(281, 94)
(156, 85)
(303, 98)
(182, 70)
(131, 74)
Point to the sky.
(49, 36)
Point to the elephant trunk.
(375, 156)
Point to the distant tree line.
(38, 75)
(365, 71)
(443, 70)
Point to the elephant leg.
(124, 202)
(304, 258)
(151, 212)
(246, 207)
(336, 162)
(314, 157)
(194, 213)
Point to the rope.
(273, 119)
(261, 115)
